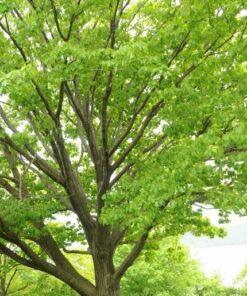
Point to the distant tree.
(9, 284)
(241, 281)
(166, 269)
(125, 114)
(214, 286)
(43, 284)
(19, 280)
(163, 270)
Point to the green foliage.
(169, 271)
(128, 114)
(41, 284)
(19, 280)
(166, 271)
(178, 169)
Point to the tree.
(8, 277)
(166, 269)
(163, 269)
(18, 280)
(213, 286)
(124, 114)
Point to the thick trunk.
(104, 269)
(111, 289)
(106, 285)
(102, 253)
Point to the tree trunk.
(102, 252)
(107, 286)
(109, 291)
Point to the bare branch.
(4, 184)
(124, 6)
(205, 125)
(185, 74)
(155, 109)
(16, 257)
(7, 121)
(17, 45)
(9, 178)
(38, 162)
(153, 147)
(234, 149)
(60, 103)
(113, 26)
(80, 252)
(45, 101)
(178, 49)
(120, 174)
(208, 52)
(63, 269)
(132, 120)
(134, 253)
(228, 127)
(12, 161)
(74, 16)
(39, 136)
(31, 2)
(10, 281)
(87, 125)
(104, 112)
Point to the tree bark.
(76, 283)
(102, 251)
(109, 290)
(106, 285)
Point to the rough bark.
(102, 250)
(106, 285)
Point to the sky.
(223, 256)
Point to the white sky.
(225, 261)
(225, 257)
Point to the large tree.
(124, 114)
